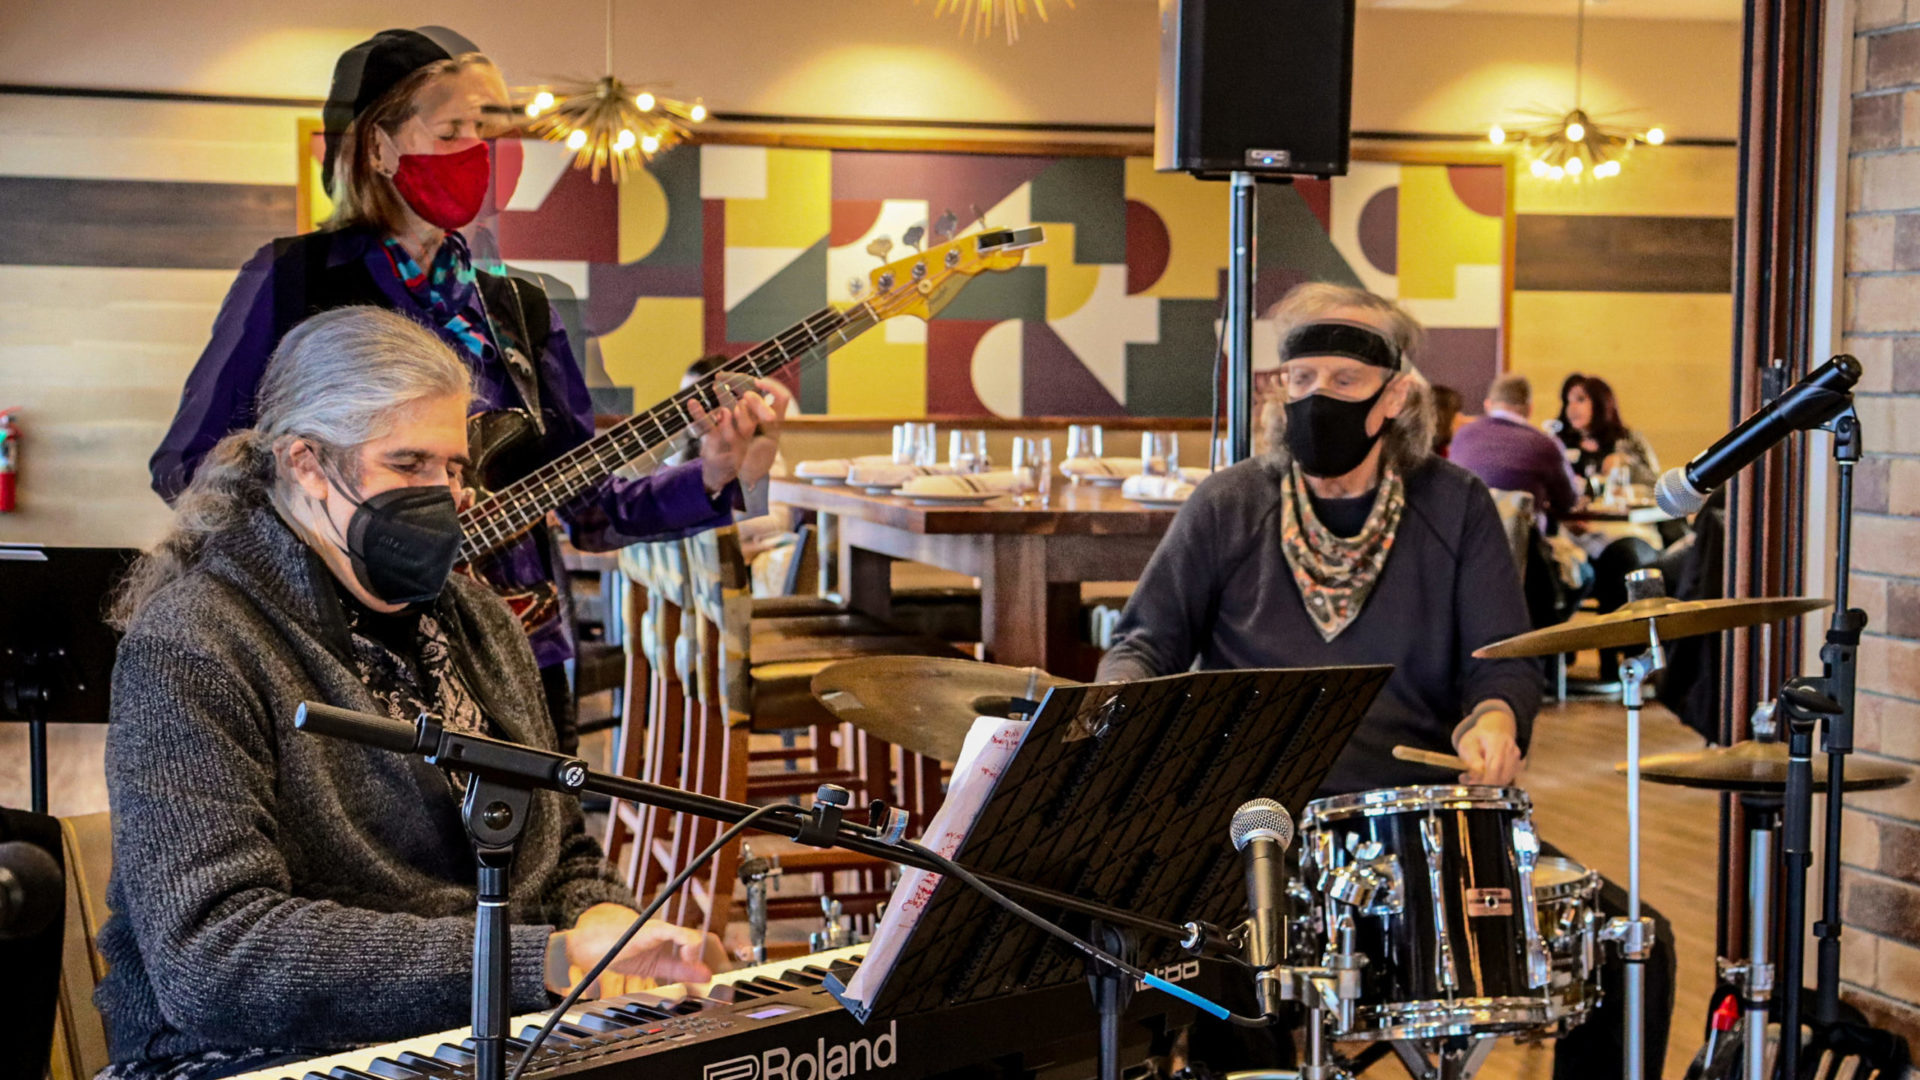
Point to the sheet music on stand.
(1119, 793)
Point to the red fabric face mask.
(445, 189)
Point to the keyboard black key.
(601, 1023)
(453, 1055)
(342, 1072)
(421, 1063)
(388, 1069)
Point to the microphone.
(1262, 830)
(33, 892)
(1813, 401)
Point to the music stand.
(56, 649)
(1121, 794)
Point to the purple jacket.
(1510, 454)
(291, 278)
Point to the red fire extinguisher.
(9, 459)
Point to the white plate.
(957, 498)
(1158, 504)
(880, 489)
(827, 481)
(1099, 480)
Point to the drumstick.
(1428, 757)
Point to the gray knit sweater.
(273, 888)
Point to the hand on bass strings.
(1490, 747)
(729, 436)
(758, 462)
(659, 954)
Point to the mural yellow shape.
(1195, 212)
(798, 209)
(651, 350)
(1069, 284)
(643, 215)
(871, 376)
(1438, 234)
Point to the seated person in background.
(276, 895)
(1505, 450)
(1348, 542)
(1595, 439)
(1446, 416)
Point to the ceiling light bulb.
(1576, 131)
(625, 141)
(1557, 172)
(1539, 168)
(1607, 168)
(1497, 135)
(645, 101)
(650, 143)
(533, 109)
(1656, 136)
(577, 140)
(543, 101)
(1574, 165)
(697, 113)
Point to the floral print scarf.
(1337, 574)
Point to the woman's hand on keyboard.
(659, 954)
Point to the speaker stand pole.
(1238, 330)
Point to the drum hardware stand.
(1456, 1057)
(755, 872)
(837, 932)
(1634, 933)
(1804, 707)
(1752, 978)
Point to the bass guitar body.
(504, 447)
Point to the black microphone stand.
(1803, 705)
(502, 777)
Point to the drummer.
(1348, 542)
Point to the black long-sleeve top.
(1219, 594)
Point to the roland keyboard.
(775, 1021)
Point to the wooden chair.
(753, 676)
(652, 733)
(79, 1035)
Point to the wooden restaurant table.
(1030, 559)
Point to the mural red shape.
(1379, 229)
(1148, 247)
(1054, 381)
(508, 158)
(852, 219)
(1318, 195)
(713, 271)
(1483, 188)
(950, 345)
(578, 222)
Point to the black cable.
(659, 901)
(1219, 362)
(967, 877)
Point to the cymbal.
(924, 703)
(1757, 767)
(1627, 626)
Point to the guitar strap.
(517, 355)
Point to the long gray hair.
(1408, 441)
(337, 381)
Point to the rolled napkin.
(1158, 488)
(891, 475)
(1103, 466)
(837, 468)
(988, 483)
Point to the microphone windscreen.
(1677, 496)
(1261, 817)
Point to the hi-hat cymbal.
(1627, 626)
(924, 703)
(1757, 767)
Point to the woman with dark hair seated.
(1597, 440)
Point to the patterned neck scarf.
(448, 291)
(1335, 574)
(423, 678)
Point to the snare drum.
(1567, 897)
(1439, 883)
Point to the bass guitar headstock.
(929, 280)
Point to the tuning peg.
(856, 286)
(913, 236)
(946, 225)
(880, 247)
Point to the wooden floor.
(1580, 807)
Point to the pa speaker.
(1262, 86)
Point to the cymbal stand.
(1633, 935)
(1802, 706)
(1753, 977)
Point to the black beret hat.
(367, 71)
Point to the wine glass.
(1159, 454)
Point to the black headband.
(1336, 337)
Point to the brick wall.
(1881, 961)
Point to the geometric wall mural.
(715, 248)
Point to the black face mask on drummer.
(1327, 436)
